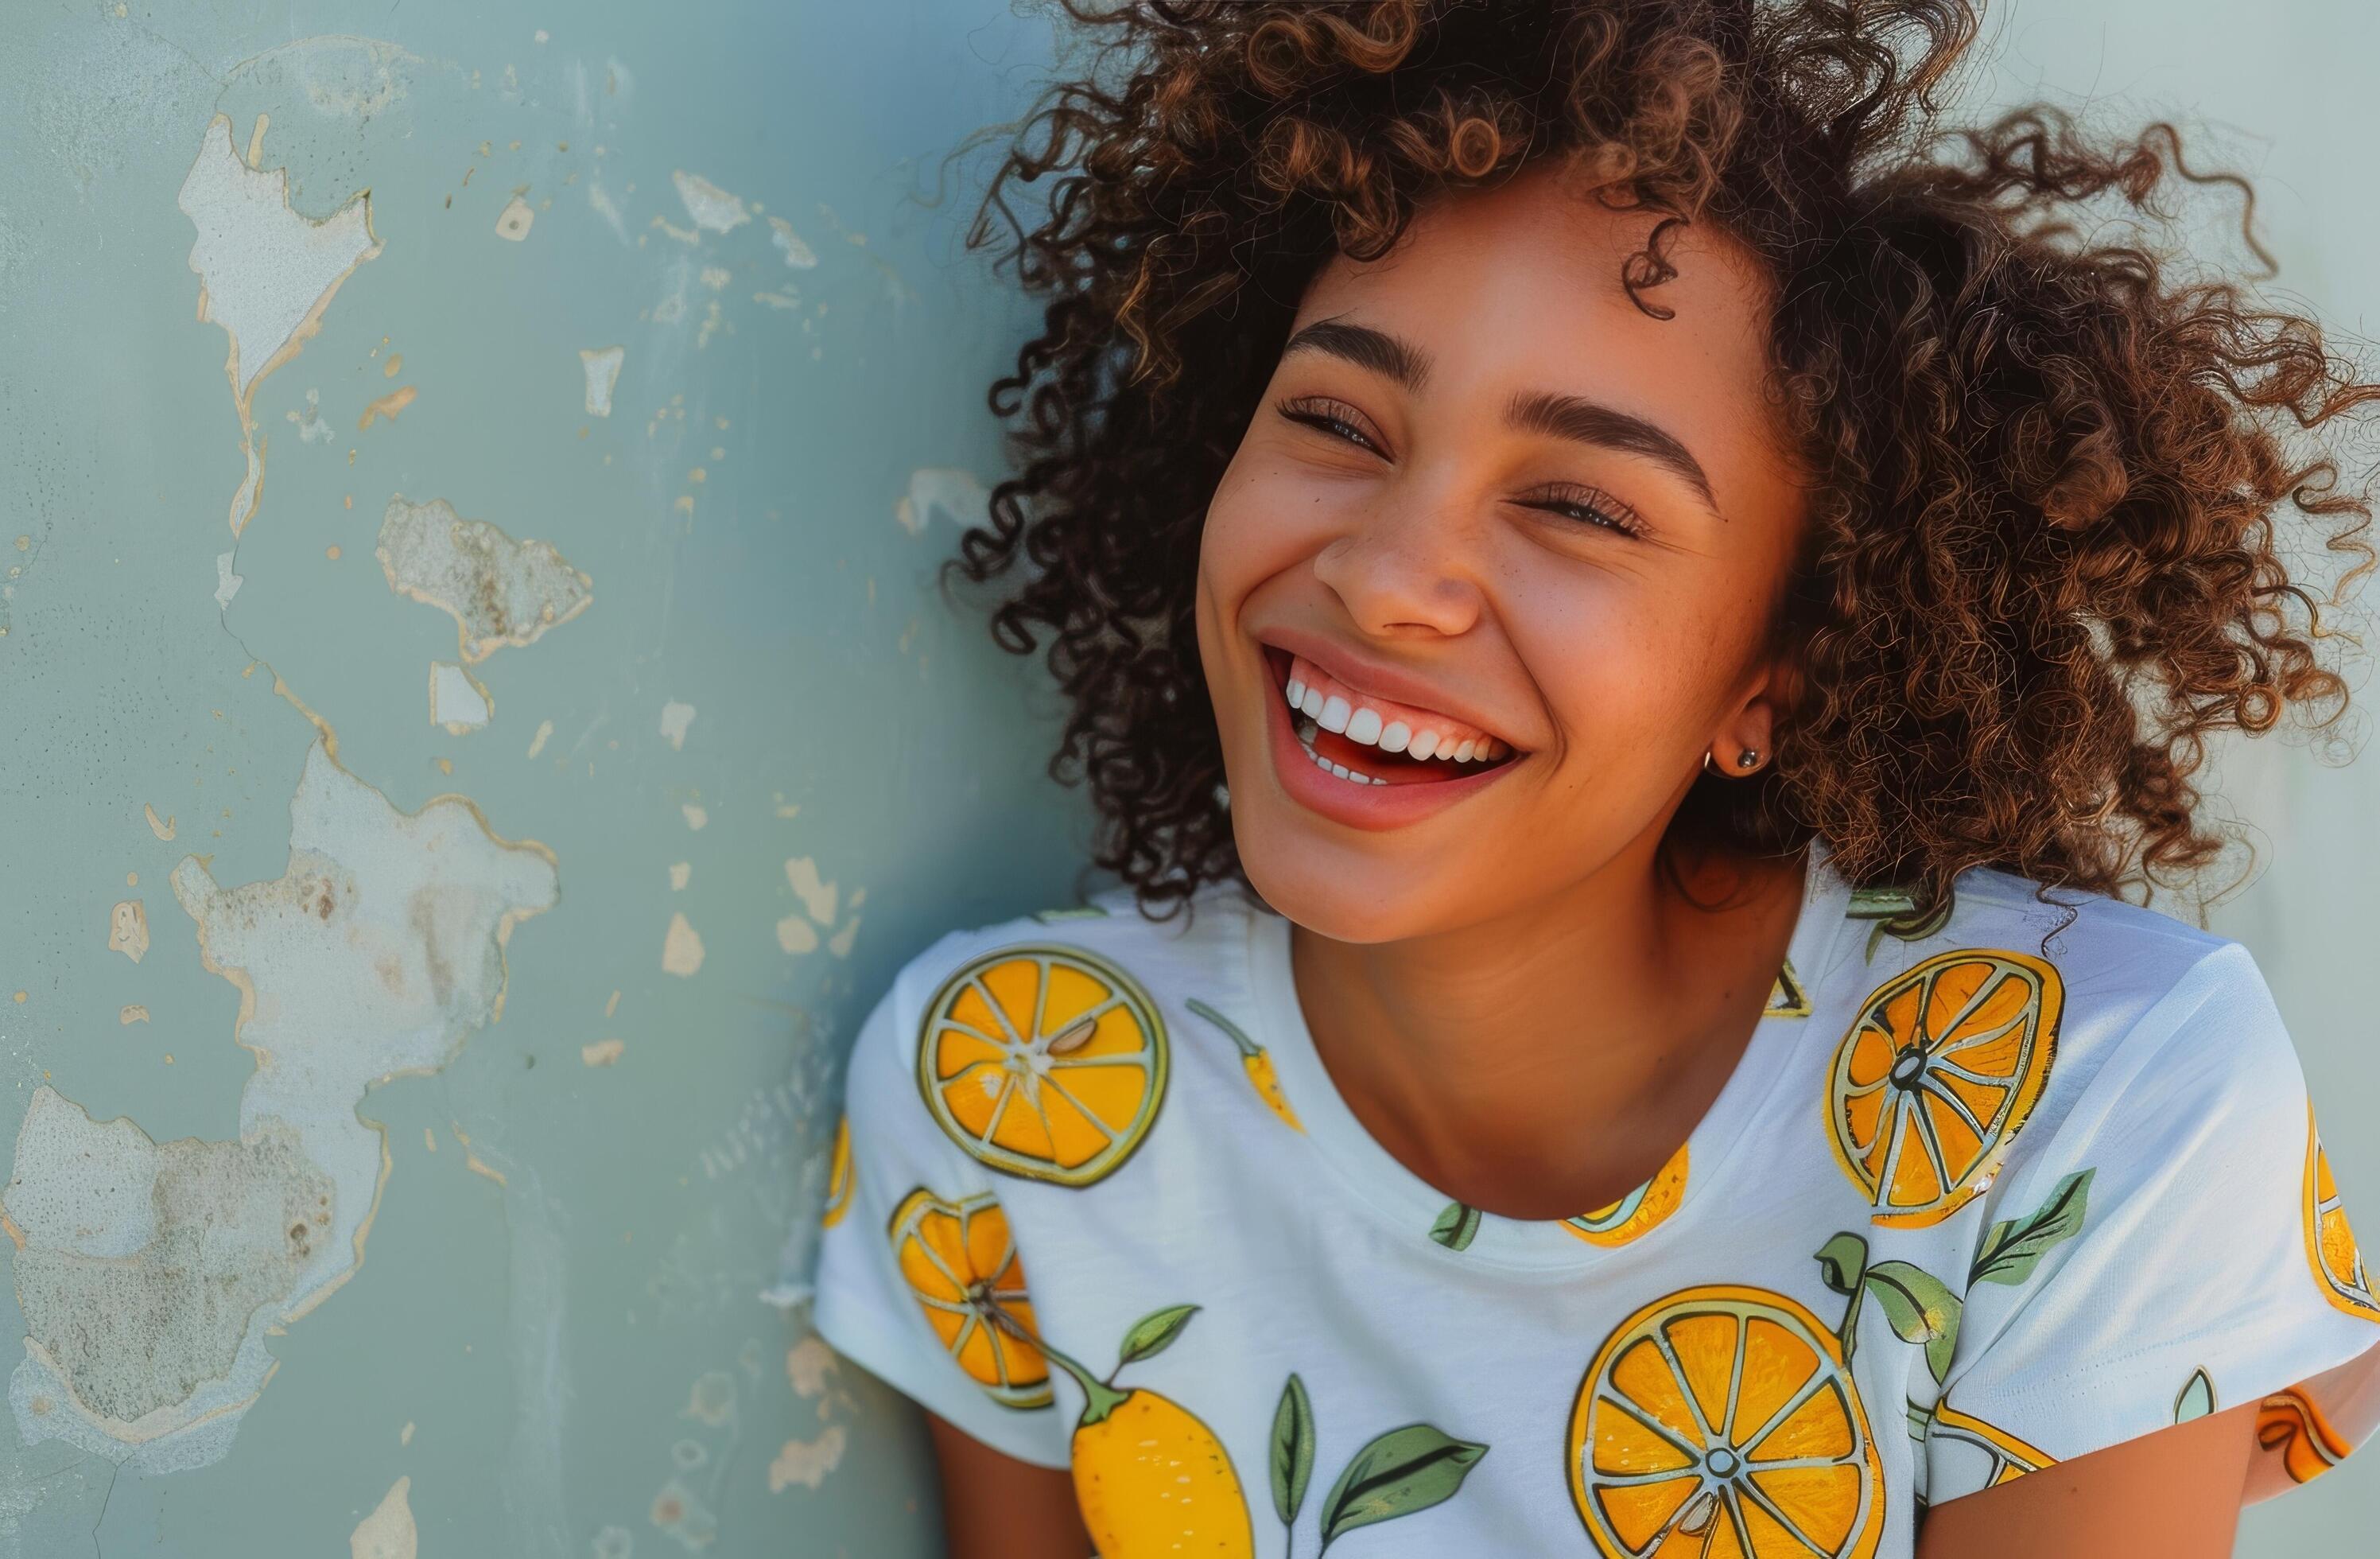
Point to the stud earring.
(1747, 758)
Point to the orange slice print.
(961, 1265)
(1046, 1061)
(1636, 1214)
(1938, 1074)
(2330, 1244)
(1722, 1420)
(2289, 1423)
(838, 1175)
(2001, 1457)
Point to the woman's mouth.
(1369, 741)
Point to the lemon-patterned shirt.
(1989, 1189)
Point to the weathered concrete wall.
(479, 730)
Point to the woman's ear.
(1772, 695)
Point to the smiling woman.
(1643, 603)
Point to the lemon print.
(1722, 1420)
(2330, 1244)
(1043, 1061)
(838, 1175)
(1149, 1477)
(2287, 1422)
(1998, 1456)
(1634, 1214)
(961, 1265)
(1253, 1060)
(1786, 998)
(1938, 1074)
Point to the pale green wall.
(566, 1308)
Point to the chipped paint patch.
(310, 427)
(153, 1273)
(807, 1364)
(602, 366)
(459, 701)
(512, 222)
(681, 947)
(696, 816)
(127, 930)
(818, 897)
(265, 275)
(135, 1012)
(498, 590)
(537, 743)
(955, 492)
(679, 1511)
(798, 255)
(387, 405)
(162, 830)
(675, 718)
(808, 1462)
(388, 1532)
(602, 1053)
(779, 300)
(227, 582)
(707, 204)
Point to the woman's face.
(1486, 497)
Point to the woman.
(1643, 608)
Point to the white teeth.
(1363, 726)
(1423, 744)
(1310, 700)
(1334, 714)
(1394, 737)
(1296, 692)
(1463, 753)
(1306, 740)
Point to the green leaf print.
(1292, 1449)
(1921, 1309)
(2197, 1399)
(1455, 1227)
(1895, 910)
(1403, 1471)
(1153, 1332)
(1841, 1260)
(2014, 1247)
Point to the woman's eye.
(1593, 509)
(1321, 415)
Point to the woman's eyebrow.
(1573, 418)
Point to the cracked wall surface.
(425, 1024)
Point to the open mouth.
(1389, 757)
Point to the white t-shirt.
(1858, 1287)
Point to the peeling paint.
(696, 816)
(512, 222)
(602, 1053)
(675, 718)
(956, 492)
(227, 582)
(311, 426)
(387, 405)
(376, 954)
(682, 947)
(127, 930)
(537, 743)
(789, 243)
(459, 701)
(498, 590)
(680, 874)
(807, 1364)
(707, 204)
(818, 897)
(602, 365)
(265, 275)
(679, 1512)
(388, 1532)
(808, 1462)
(162, 830)
(135, 1012)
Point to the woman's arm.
(997, 1507)
(2174, 1494)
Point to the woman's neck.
(1548, 1063)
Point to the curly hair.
(2041, 564)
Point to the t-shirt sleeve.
(917, 1252)
(2175, 1248)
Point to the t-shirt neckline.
(1410, 1204)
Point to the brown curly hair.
(2041, 564)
